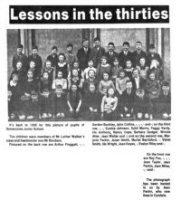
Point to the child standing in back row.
(70, 56)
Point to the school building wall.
(46, 38)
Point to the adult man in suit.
(138, 82)
(125, 54)
(152, 55)
(97, 52)
(20, 56)
(53, 57)
(138, 53)
(83, 54)
(111, 54)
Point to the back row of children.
(92, 85)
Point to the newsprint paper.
(90, 100)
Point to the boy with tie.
(111, 54)
(125, 54)
(97, 52)
(20, 56)
(138, 53)
(83, 54)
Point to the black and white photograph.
(109, 74)
(90, 105)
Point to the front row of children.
(125, 97)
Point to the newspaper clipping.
(90, 85)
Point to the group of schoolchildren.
(93, 84)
